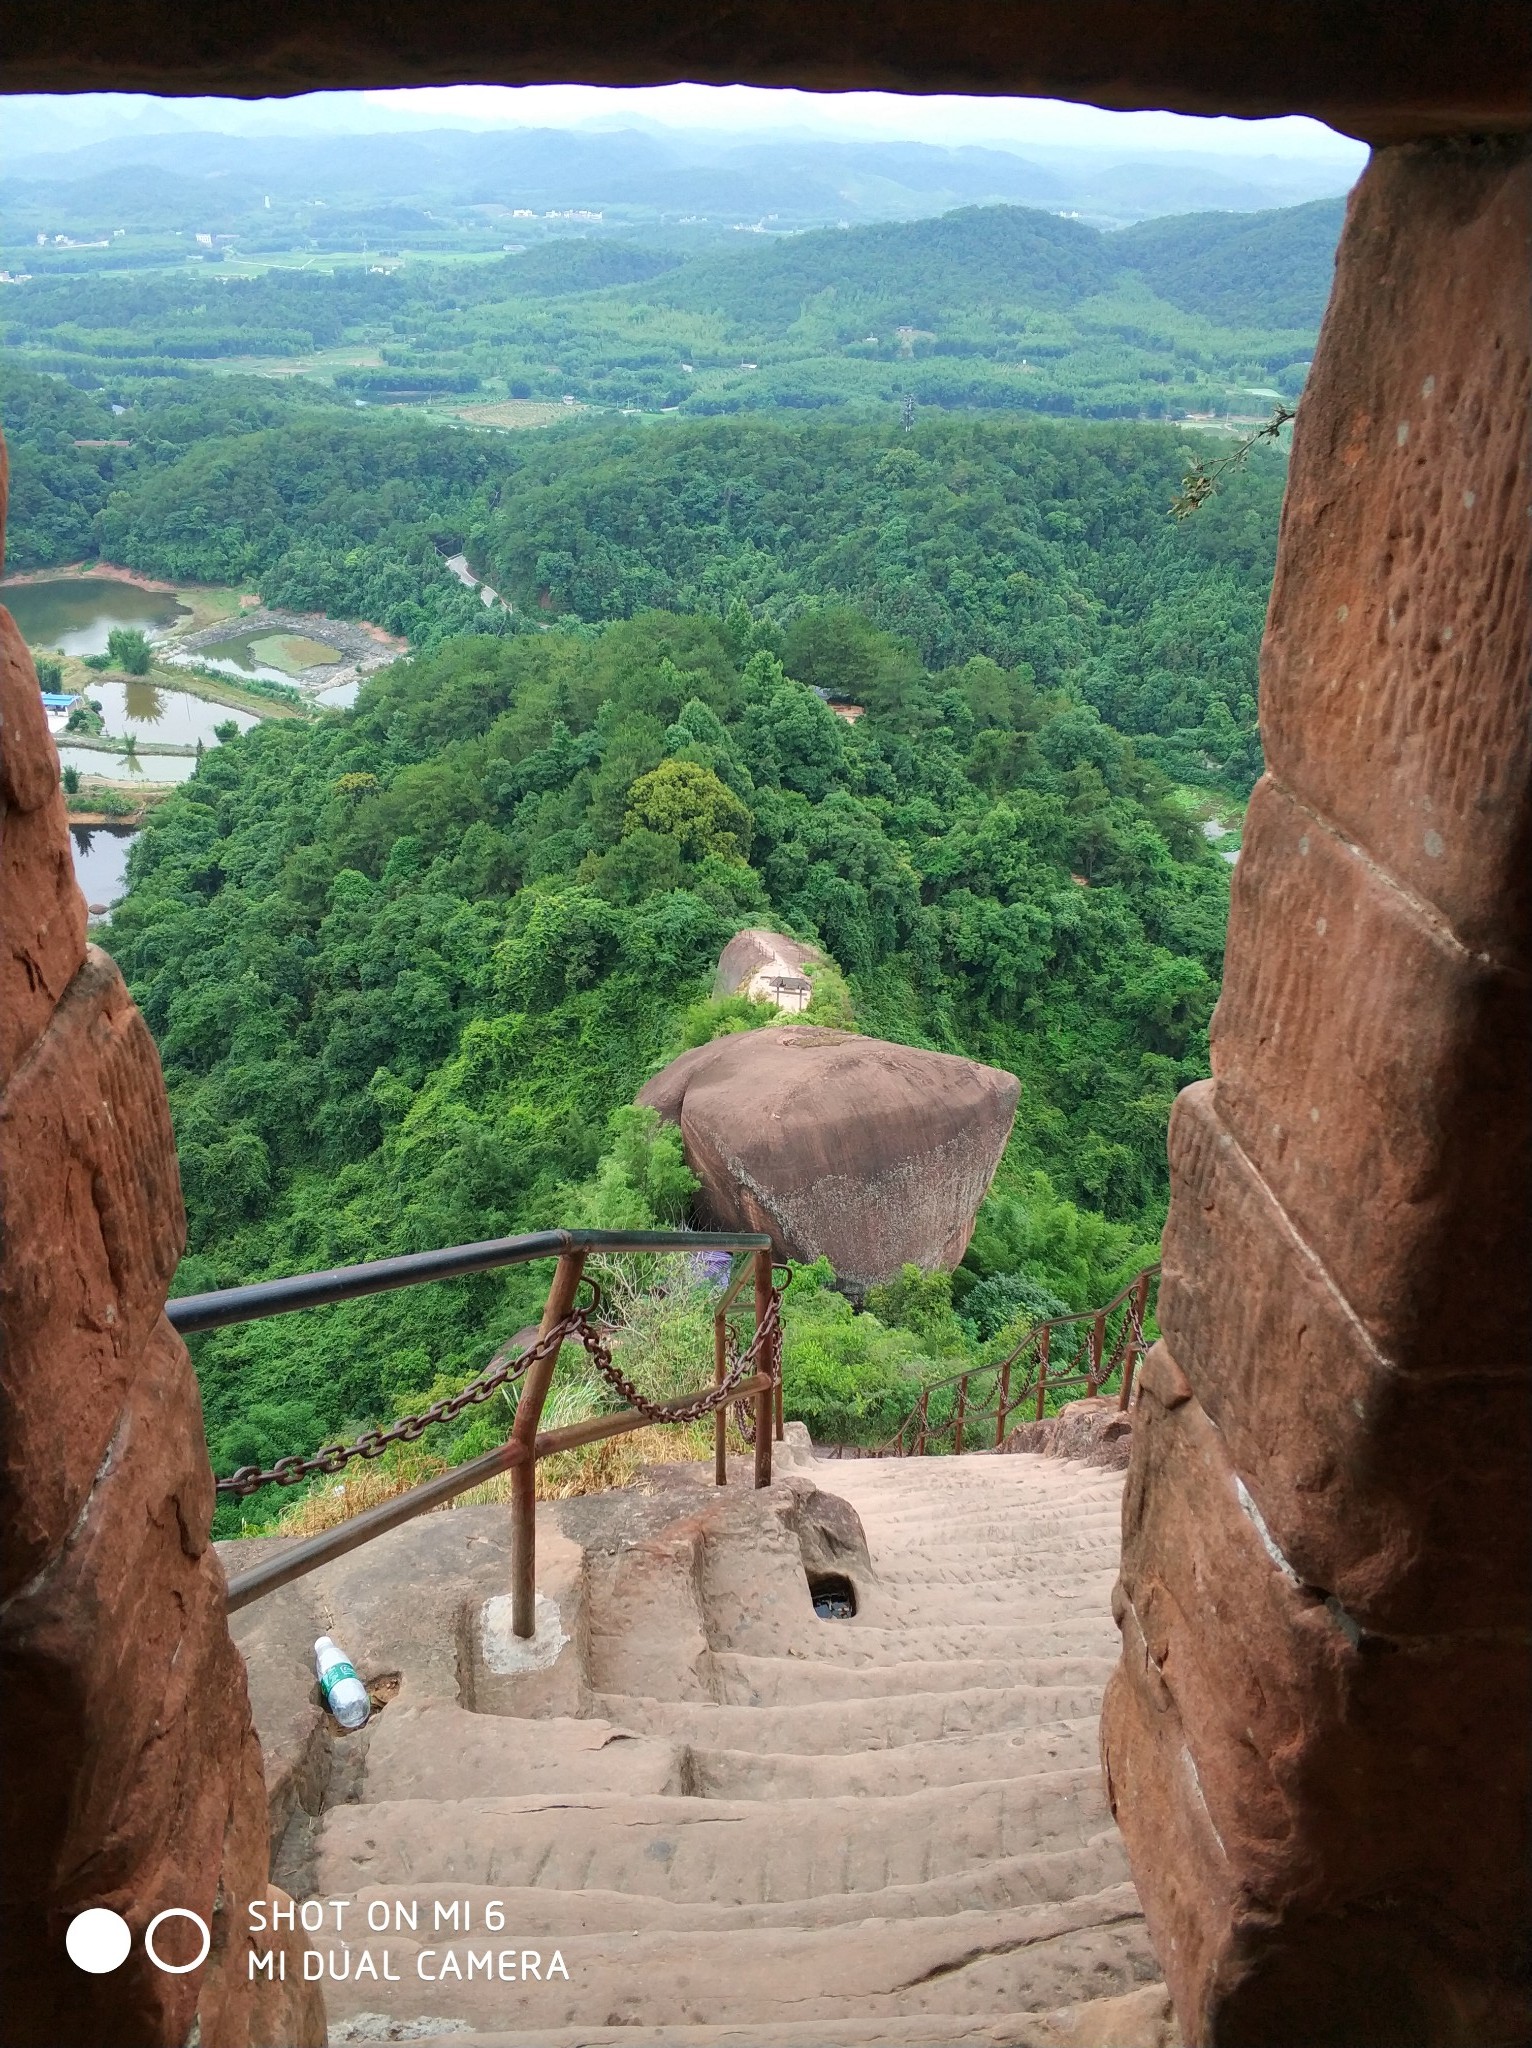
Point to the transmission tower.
(909, 410)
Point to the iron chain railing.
(506, 1367)
(950, 1411)
(756, 1371)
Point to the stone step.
(727, 1851)
(440, 1751)
(980, 1476)
(1034, 1879)
(1002, 1526)
(994, 1633)
(1138, 2019)
(1080, 1626)
(1030, 1958)
(841, 1727)
(783, 1681)
(986, 1506)
(882, 1774)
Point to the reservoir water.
(278, 657)
(101, 862)
(173, 717)
(118, 767)
(75, 614)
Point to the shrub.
(127, 649)
(721, 1016)
(1010, 1298)
(844, 1375)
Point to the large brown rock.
(42, 913)
(871, 1155)
(130, 1774)
(1292, 1787)
(90, 1208)
(1316, 1738)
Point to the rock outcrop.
(1372, 68)
(1094, 1430)
(874, 1156)
(1317, 1735)
(130, 1776)
(767, 967)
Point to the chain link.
(508, 1366)
(763, 1346)
(505, 1367)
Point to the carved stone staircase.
(735, 1822)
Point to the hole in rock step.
(834, 1597)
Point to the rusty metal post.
(720, 1415)
(1138, 1310)
(1097, 1352)
(962, 1411)
(1005, 1396)
(779, 1395)
(529, 1410)
(1043, 1336)
(765, 1400)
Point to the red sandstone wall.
(131, 1772)
(1317, 1738)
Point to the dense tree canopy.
(404, 965)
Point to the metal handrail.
(195, 1312)
(526, 1445)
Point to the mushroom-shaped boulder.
(873, 1155)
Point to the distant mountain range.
(168, 176)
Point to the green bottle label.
(333, 1677)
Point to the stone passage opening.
(833, 1595)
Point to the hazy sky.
(35, 122)
(939, 118)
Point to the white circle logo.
(98, 1940)
(177, 1913)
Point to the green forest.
(406, 967)
(996, 307)
(1039, 545)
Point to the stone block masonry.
(1317, 1738)
(130, 1772)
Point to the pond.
(173, 717)
(75, 614)
(118, 768)
(278, 657)
(338, 696)
(101, 862)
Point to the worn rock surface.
(735, 1822)
(1315, 1739)
(872, 1155)
(1093, 1430)
(130, 1774)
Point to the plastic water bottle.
(344, 1693)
